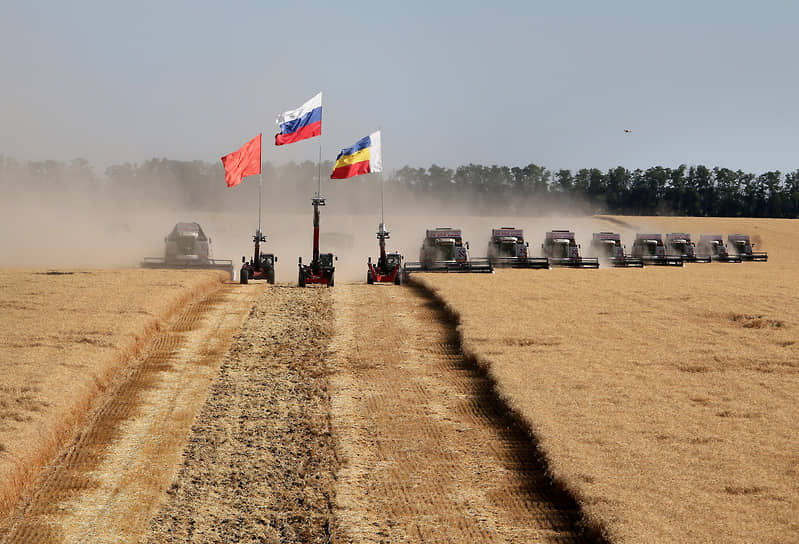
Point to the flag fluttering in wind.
(304, 122)
(362, 158)
(244, 162)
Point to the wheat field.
(665, 400)
(64, 336)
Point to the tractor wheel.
(243, 276)
(271, 277)
(398, 279)
(331, 282)
(369, 278)
(301, 280)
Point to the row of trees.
(694, 191)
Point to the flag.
(362, 158)
(244, 162)
(304, 122)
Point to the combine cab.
(562, 250)
(609, 245)
(262, 265)
(741, 244)
(651, 249)
(443, 250)
(714, 244)
(187, 247)
(321, 269)
(507, 248)
(681, 244)
(387, 269)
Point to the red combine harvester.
(609, 245)
(187, 247)
(387, 269)
(507, 248)
(562, 249)
(652, 250)
(681, 244)
(743, 246)
(714, 244)
(443, 250)
(261, 266)
(321, 270)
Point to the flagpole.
(319, 175)
(260, 184)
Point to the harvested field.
(666, 401)
(64, 337)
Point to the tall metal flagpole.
(319, 175)
(260, 183)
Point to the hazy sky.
(554, 83)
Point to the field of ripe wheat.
(665, 400)
(63, 338)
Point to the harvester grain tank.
(387, 269)
(742, 245)
(714, 244)
(321, 270)
(609, 244)
(507, 248)
(261, 266)
(562, 249)
(680, 243)
(443, 250)
(650, 248)
(188, 247)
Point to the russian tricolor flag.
(365, 157)
(304, 122)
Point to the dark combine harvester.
(443, 250)
(562, 250)
(714, 244)
(651, 249)
(743, 246)
(187, 247)
(681, 244)
(507, 249)
(609, 245)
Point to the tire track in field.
(104, 487)
(427, 452)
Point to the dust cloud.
(100, 224)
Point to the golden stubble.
(664, 399)
(64, 336)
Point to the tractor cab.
(268, 260)
(393, 260)
(326, 260)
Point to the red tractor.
(261, 266)
(321, 270)
(387, 269)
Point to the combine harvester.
(562, 250)
(388, 265)
(261, 266)
(681, 244)
(714, 244)
(743, 246)
(321, 270)
(187, 247)
(507, 248)
(609, 245)
(651, 249)
(443, 250)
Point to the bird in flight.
(627, 130)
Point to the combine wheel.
(243, 276)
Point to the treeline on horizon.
(684, 190)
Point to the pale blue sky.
(554, 83)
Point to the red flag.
(244, 162)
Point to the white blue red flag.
(301, 123)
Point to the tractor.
(562, 250)
(743, 246)
(321, 269)
(261, 266)
(507, 248)
(714, 244)
(388, 266)
(443, 250)
(609, 245)
(681, 244)
(188, 247)
(651, 249)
